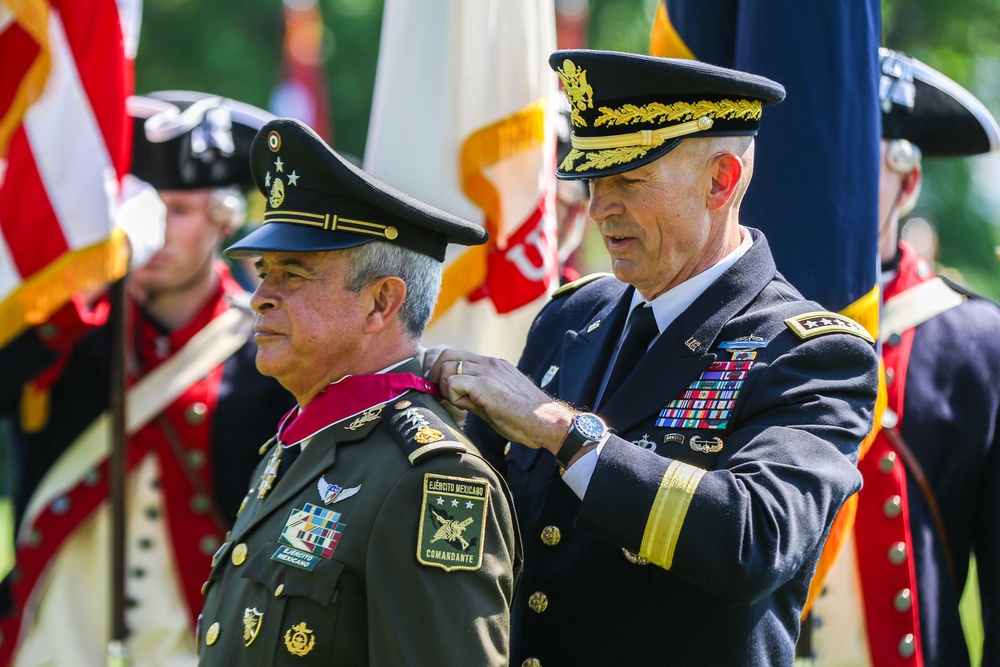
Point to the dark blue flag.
(815, 187)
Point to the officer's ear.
(387, 295)
(726, 170)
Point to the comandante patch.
(452, 522)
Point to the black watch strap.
(573, 443)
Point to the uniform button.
(204, 588)
(890, 375)
(892, 507)
(551, 535)
(195, 414)
(897, 553)
(145, 543)
(538, 602)
(92, 477)
(200, 503)
(239, 553)
(48, 331)
(61, 505)
(506, 451)
(209, 544)
(907, 646)
(889, 418)
(887, 462)
(196, 458)
(903, 600)
(279, 590)
(894, 340)
(152, 513)
(923, 269)
(532, 662)
(138, 572)
(212, 634)
(33, 539)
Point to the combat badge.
(453, 522)
(299, 639)
(332, 493)
(251, 625)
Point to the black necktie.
(641, 332)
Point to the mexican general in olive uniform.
(681, 435)
(372, 531)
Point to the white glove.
(142, 215)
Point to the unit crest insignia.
(299, 639)
(251, 625)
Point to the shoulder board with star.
(569, 288)
(823, 322)
(421, 433)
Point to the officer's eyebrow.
(287, 261)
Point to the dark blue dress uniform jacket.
(732, 553)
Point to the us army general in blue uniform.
(686, 531)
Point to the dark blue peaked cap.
(925, 107)
(628, 109)
(317, 200)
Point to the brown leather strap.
(917, 472)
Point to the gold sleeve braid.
(666, 517)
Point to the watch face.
(589, 426)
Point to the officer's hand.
(496, 391)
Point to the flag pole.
(117, 650)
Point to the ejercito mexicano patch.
(452, 522)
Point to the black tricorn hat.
(925, 107)
(184, 140)
(317, 200)
(628, 110)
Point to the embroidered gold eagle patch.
(822, 322)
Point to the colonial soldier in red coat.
(931, 493)
(197, 411)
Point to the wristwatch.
(586, 429)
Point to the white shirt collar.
(673, 302)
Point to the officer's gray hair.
(227, 207)
(421, 274)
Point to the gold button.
(204, 588)
(195, 414)
(907, 646)
(506, 451)
(897, 553)
(903, 600)
(892, 507)
(538, 602)
(532, 662)
(212, 634)
(279, 590)
(887, 462)
(551, 535)
(239, 553)
(391, 232)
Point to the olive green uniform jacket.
(382, 497)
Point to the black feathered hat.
(925, 107)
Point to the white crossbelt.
(145, 400)
(917, 305)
